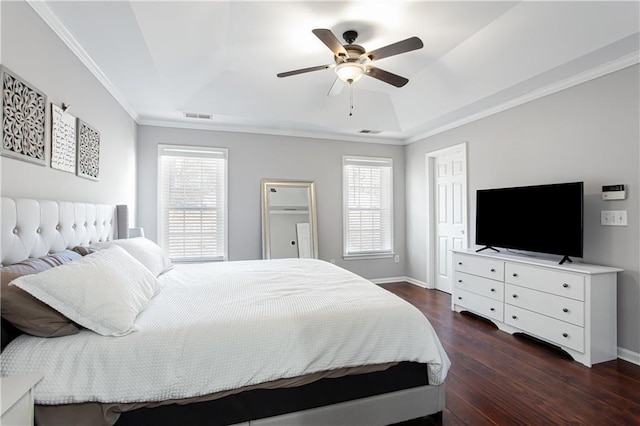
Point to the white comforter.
(221, 326)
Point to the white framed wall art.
(63, 140)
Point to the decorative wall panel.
(23, 119)
(88, 151)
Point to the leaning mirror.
(289, 219)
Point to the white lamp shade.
(136, 232)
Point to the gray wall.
(253, 157)
(33, 51)
(588, 133)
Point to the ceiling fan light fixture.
(350, 72)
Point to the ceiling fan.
(352, 61)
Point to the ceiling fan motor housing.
(354, 52)
(350, 36)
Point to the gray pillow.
(24, 311)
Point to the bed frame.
(34, 228)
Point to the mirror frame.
(313, 225)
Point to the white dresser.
(572, 306)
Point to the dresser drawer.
(550, 281)
(562, 308)
(479, 304)
(551, 329)
(479, 285)
(480, 266)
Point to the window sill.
(198, 260)
(368, 256)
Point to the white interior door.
(450, 213)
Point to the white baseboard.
(416, 282)
(627, 355)
(399, 279)
(388, 280)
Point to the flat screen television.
(541, 218)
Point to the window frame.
(194, 150)
(353, 160)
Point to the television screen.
(541, 218)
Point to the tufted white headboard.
(34, 228)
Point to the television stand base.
(565, 259)
(487, 247)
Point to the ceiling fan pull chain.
(350, 99)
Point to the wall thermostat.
(614, 192)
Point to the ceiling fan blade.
(403, 46)
(336, 87)
(332, 42)
(387, 77)
(304, 70)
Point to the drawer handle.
(493, 309)
(493, 290)
(459, 297)
(515, 296)
(565, 310)
(493, 270)
(515, 275)
(565, 335)
(460, 263)
(514, 317)
(459, 281)
(565, 285)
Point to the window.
(192, 194)
(368, 206)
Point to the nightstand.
(17, 399)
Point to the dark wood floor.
(502, 379)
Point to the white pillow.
(145, 251)
(103, 291)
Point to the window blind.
(368, 210)
(192, 199)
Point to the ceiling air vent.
(370, 132)
(196, 115)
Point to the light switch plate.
(613, 217)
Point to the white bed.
(219, 329)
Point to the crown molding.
(583, 77)
(43, 10)
(221, 127)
